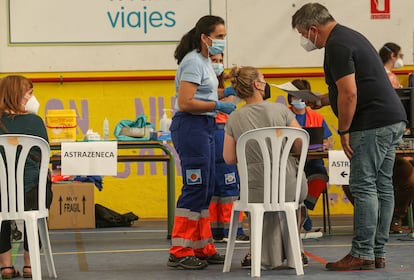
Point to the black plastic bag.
(105, 217)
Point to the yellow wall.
(141, 187)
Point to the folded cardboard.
(73, 206)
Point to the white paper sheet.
(338, 168)
(305, 95)
(95, 158)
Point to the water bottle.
(105, 129)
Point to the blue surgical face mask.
(218, 68)
(217, 46)
(298, 104)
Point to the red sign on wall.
(380, 9)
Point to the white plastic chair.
(12, 195)
(280, 140)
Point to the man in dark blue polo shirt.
(371, 121)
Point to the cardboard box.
(73, 206)
(61, 125)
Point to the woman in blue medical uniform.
(192, 132)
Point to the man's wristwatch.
(343, 132)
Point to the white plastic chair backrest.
(275, 144)
(12, 170)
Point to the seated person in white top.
(392, 57)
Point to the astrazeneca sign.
(102, 21)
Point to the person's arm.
(187, 102)
(325, 100)
(229, 149)
(36, 126)
(394, 80)
(347, 100)
(326, 136)
(220, 93)
(326, 144)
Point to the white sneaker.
(241, 238)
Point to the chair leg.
(47, 249)
(234, 221)
(326, 211)
(256, 226)
(34, 251)
(291, 219)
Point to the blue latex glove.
(228, 91)
(225, 107)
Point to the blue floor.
(141, 252)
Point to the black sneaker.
(305, 260)
(218, 238)
(247, 261)
(214, 259)
(242, 238)
(189, 262)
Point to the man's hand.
(345, 145)
(323, 101)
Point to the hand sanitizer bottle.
(105, 129)
(165, 122)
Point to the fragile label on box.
(73, 206)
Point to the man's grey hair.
(311, 14)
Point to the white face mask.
(399, 63)
(307, 44)
(32, 105)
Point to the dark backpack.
(105, 217)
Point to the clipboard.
(305, 95)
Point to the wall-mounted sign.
(102, 21)
(380, 9)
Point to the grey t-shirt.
(263, 114)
